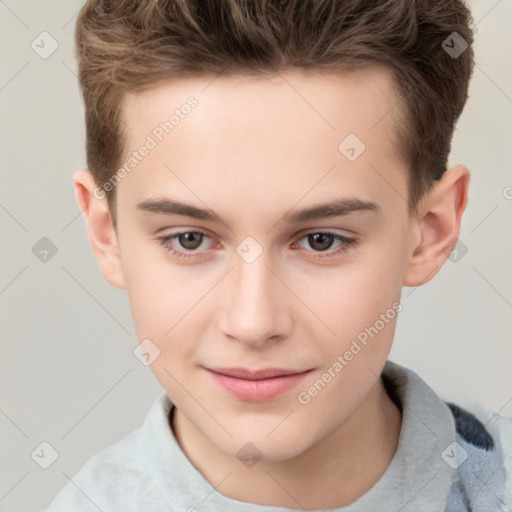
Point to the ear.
(102, 235)
(437, 226)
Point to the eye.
(321, 241)
(188, 240)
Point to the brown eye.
(185, 244)
(320, 241)
(190, 240)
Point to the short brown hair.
(127, 46)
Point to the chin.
(252, 445)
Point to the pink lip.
(258, 385)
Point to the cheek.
(362, 310)
(162, 295)
(358, 305)
(354, 296)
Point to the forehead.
(335, 99)
(283, 133)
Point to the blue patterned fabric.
(479, 460)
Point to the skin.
(251, 151)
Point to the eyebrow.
(336, 208)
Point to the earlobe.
(100, 229)
(438, 226)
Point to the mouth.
(257, 385)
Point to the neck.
(356, 453)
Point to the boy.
(259, 129)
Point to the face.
(287, 249)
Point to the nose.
(256, 311)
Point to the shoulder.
(484, 435)
(482, 426)
(471, 428)
(113, 479)
(120, 476)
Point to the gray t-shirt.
(148, 471)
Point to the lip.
(257, 385)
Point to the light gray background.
(69, 374)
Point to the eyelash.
(347, 244)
